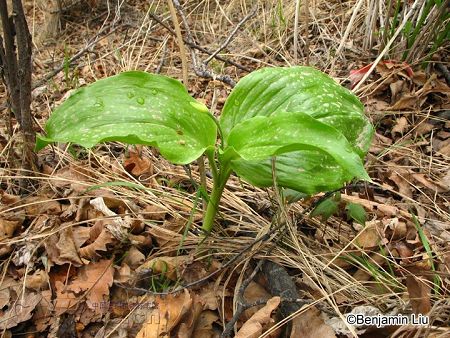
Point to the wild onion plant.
(314, 130)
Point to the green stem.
(216, 194)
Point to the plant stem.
(216, 194)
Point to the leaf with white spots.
(316, 129)
(298, 89)
(316, 150)
(138, 108)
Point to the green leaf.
(300, 170)
(298, 89)
(316, 129)
(356, 212)
(138, 108)
(326, 209)
(262, 137)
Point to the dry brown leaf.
(435, 186)
(43, 315)
(65, 301)
(134, 258)
(370, 236)
(169, 266)
(187, 326)
(95, 279)
(253, 293)
(311, 325)
(19, 311)
(40, 205)
(38, 281)
(404, 187)
(204, 326)
(407, 101)
(138, 165)
(163, 319)
(401, 126)
(154, 212)
(419, 294)
(167, 233)
(255, 325)
(8, 227)
(100, 243)
(68, 250)
(115, 224)
(122, 274)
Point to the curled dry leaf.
(419, 294)
(401, 126)
(116, 225)
(99, 241)
(68, 250)
(137, 165)
(171, 267)
(370, 236)
(256, 324)
(163, 319)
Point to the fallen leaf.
(400, 126)
(419, 294)
(19, 311)
(134, 258)
(255, 325)
(38, 280)
(95, 279)
(370, 236)
(138, 165)
(311, 325)
(68, 250)
(162, 320)
(204, 326)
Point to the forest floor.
(107, 242)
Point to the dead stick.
(231, 36)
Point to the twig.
(231, 36)
(242, 305)
(163, 58)
(200, 48)
(74, 58)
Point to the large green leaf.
(137, 108)
(264, 136)
(298, 89)
(316, 129)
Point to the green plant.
(314, 129)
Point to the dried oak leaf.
(256, 324)
(95, 279)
